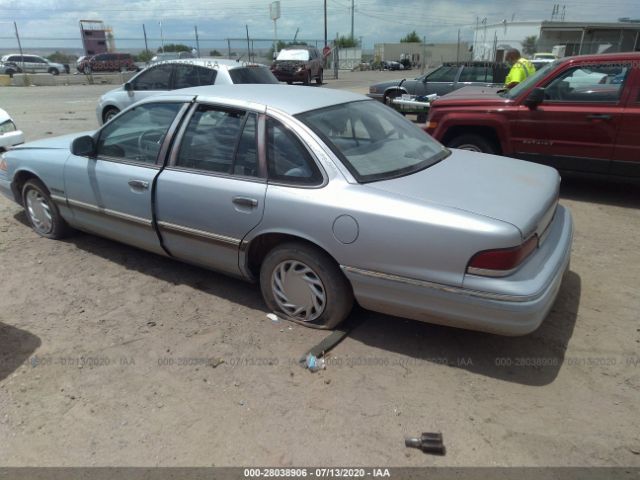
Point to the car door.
(626, 155)
(111, 194)
(31, 64)
(581, 115)
(212, 192)
(186, 75)
(152, 81)
(441, 81)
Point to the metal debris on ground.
(428, 442)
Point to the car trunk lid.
(521, 193)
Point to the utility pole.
(325, 22)
(161, 37)
(248, 46)
(352, 15)
(15, 26)
(197, 41)
(144, 32)
(458, 48)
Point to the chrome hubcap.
(39, 211)
(298, 290)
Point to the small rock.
(151, 324)
(241, 403)
(635, 451)
(327, 381)
(160, 405)
(236, 384)
(215, 362)
(273, 317)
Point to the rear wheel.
(109, 113)
(54, 71)
(473, 143)
(305, 285)
(42, 212)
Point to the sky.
(53, 23)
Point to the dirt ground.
(113, 356)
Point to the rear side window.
(222, 141)
(287, 159)
(155, 78)
(252, 75)
(588, 84)
(443, 74)
(193, 76)
(475, 73)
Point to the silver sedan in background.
(167, 75)
(324, 197)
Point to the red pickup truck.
(577, 114)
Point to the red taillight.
(502, 261)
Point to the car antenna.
(239, 58)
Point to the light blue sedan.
(324, 197)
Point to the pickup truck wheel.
(473, 143)
(42, 212)
(305, 285)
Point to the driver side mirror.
(535, 98)
(84, 146)
(128, 87)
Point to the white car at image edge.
(10, 136)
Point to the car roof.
(210, 62)
(286, 98)
(604, 56)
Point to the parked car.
(545, 56)
(322, 196)
(299, 64)
(391, 65)
(177, 74)
(34, 64)
(577, 114)
(107, 62)
(10, 136)
(444, 79)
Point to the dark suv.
(107, 62)
(444, 79)
(298, 64)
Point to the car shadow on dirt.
(533, 359)
(603, 191)
(16, 346)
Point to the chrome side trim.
(112, 213)
(438, 286)
(193, 232)
(58, 199)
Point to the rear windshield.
(373, 141)
(252, 74)
(293, 55)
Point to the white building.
(491, 41)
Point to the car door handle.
(599, 116)
(245, 201)
(138, 184)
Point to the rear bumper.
(11, 139)
(516, 310)
(290, 77)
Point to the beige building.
(430, 54)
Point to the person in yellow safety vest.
(521, 68)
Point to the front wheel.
(109, 113)
(473, 143)
(42, 212)
(305, 285)
(389, 96)
(307, 78)
(319, 77)
(54, 71)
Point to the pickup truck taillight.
(502, 261)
